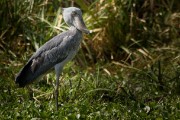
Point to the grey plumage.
(56, 52)
(51, 53)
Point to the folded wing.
(46, 57)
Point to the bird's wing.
(52, 43)
(48, 55)
(51, 53)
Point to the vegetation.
(127, 68)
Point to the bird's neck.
(72, 28)
(75, 32)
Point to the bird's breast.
(72, 45)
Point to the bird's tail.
(24, 77)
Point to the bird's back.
(59, 49)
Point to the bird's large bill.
(79, 24)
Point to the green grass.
(128, 68)
(104, 91)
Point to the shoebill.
(56, 52)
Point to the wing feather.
(47, 56)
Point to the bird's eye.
(73, 13)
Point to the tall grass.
(125, 27)
(119, 27)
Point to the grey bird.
(56, 52)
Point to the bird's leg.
(57, 90)
(31, 97)
(58, 69)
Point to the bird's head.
(73, 17)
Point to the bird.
(56, 52)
